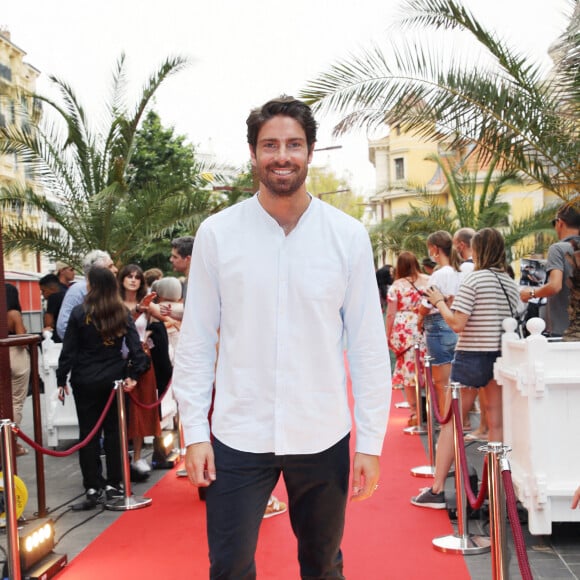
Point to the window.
(399, 168)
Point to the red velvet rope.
(474, 502)
(149, 405)
(517, 533)
(76, 447)
(433, 394)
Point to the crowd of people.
(456, 318)
(280, 286)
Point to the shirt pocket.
(322, 282)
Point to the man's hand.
(199, 463)
(525, 293)
(365, 476)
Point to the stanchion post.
(428, 470)
(129, 501)
(463, 542)
(419, 428)
(496, 453)
(13, 558)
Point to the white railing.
(61, 420)
(541, 422)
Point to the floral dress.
(404, 331)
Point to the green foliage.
(116, 189)
(508, 109)
(323, 182)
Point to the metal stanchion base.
(423, 471)
(415, 430)
(403, 405)
(468, 544)
(134, 502)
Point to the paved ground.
(555, 557)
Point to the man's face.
(110, 265)
(47, 291)
(281, 156)
(459, 246)
(67, 273)
(179, 263)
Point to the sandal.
(475, 436)
(412, 421)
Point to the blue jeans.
(473, 369)
(317, 486)
(439, 338)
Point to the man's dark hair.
(288, 107)
(570, 215)
(12, 299)
(49, 281)
(183, 245)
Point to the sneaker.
(275, 507)
(138, 476)
(428, 499)
(142, 466)
(92, 498)
(112, 492)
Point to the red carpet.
(386, 537)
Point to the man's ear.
(252, 156)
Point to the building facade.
(17, 107)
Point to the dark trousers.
(90, 401)
(317, 487)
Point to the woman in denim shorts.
(440, 339)
(486, 297)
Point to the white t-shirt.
(448, 280)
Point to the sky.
(242, 53)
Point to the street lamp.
(320, 195)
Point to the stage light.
(164, 454)
(36, 541)
(168, 441)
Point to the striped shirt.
(482, 298)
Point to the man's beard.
(283, 187)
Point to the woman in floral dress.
(403, 301)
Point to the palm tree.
(476, 203)
(509, 109)
(86, 197)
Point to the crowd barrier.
(128, 501)
(496, 486)
(540, 383)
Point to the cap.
(60, 266)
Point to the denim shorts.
(473, 369)
(440, 339)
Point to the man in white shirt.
(281, 278)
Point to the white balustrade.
(540, 383)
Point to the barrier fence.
(496, 485)
(8, 428)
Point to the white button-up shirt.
(281, 307)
